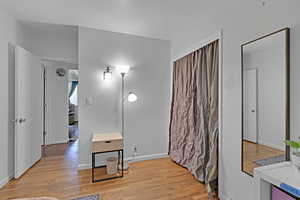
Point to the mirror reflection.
(265, 89)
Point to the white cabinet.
(282, 175)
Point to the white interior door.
(250, 105)
(29, 110)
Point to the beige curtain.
(194, 114)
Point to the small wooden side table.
(105, 143)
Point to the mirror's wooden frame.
(287, 86)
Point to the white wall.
(241, 21)
(57, 106)
(147, 119)
(270, 65)
(7, 35)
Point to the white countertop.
(283, 175)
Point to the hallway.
(69, 150)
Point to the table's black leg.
(122, 163)
(93, 167)
(118, 159)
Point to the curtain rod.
(213, 37)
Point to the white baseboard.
(58, 142)
(129, 159)
(4, 181)
(147, 157)
(84, 166)
(274, 146)
(224, 197)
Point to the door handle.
(21, 120)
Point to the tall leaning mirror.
(265, 100)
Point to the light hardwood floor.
(57, 176)
(253, 152)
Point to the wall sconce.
(132, 97)
(107, 74)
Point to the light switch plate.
(89, 101)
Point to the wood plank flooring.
(65, 149)
(253, 152)
(57, 176)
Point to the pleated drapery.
(194, 114)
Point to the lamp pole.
(122, 121)
(125, 166)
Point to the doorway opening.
(61, 132)
(73, 105)
(40, 90)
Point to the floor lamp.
(123, 70)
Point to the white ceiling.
(150, 18)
